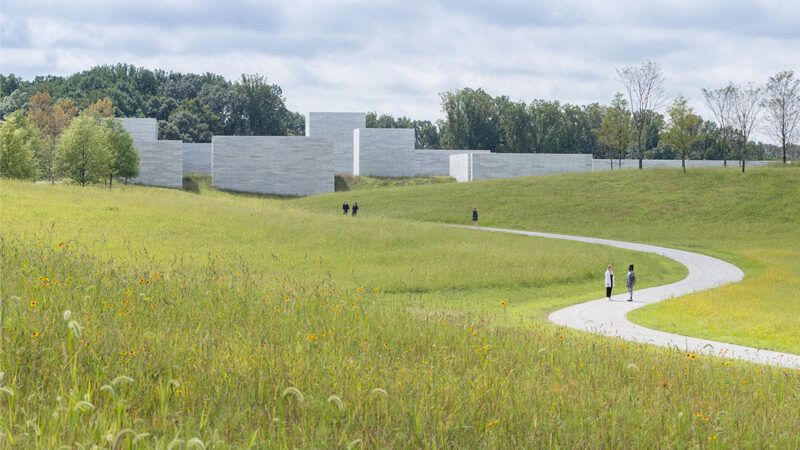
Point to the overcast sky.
(396, 57)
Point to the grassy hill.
(148, 317)
(749, 219)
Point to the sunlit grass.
(748, 219)
(270, 236)
(148, 354)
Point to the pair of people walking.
(630, 281)
(346, 207)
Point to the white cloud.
(397, 57)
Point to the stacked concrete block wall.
(383, 152)
(197, 158)
(278, 165)
(140, 129)
(599, 165)
(435, 162)
(160, 163)
(338, 127)
(481, 166)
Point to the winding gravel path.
(609, 318)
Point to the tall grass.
(417, 262)
(143, 353)
(749, 219)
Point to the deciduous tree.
(83, 150)
(745, 117)
(103, 108)
(471, 120)
(615, 129)
(683, 129)
(645, 87)
(783, 108)
(51, 119)
(720, 102)
(19, 142)
(125, 158)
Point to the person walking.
(475, 216)
(630, 281)
(345, 207)
(355, 209)
(609, 281)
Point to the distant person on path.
(630, 281)
(609, 281)
(345, 207)
(355, 209)
(474, 216)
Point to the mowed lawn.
(142, 318)
(751, 220)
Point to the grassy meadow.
(139, 318)
(748, 219)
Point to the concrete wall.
(599, 165)
(197, 158)
(140, 129)
(435, 162)
(461, 167)
(278, 165)
(383, 152)
(160, 163)
(338, 127)
(481, 166)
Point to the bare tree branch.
(783, 108)
(720, 102)
(746, 114)
(645, 87)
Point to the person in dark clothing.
(474, 216)
(609, 281)
(355, 209)
(345, 208)
(630, 281)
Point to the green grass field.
(145, 317)
(748, 219)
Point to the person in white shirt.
(609, 281)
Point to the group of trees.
(739, 110)
(631, 126)
(476, 120)
(189, 107)
(426, 132)
(194, 107)
(48, 140)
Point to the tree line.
(639, 123)
(630, 127)
(189, 107)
